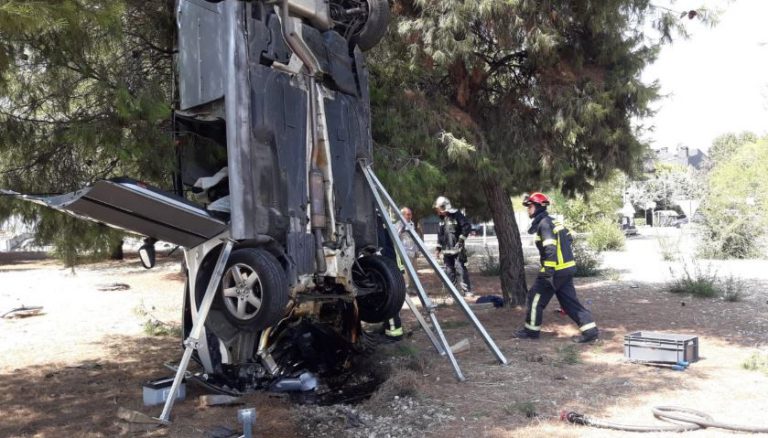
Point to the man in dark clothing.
(451, 236)
(553, 241)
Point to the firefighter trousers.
(542, 291)
(454, 263)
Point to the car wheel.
(383, 286)
(253, 292)
(375, 26)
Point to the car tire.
(253, 291)
(382, 274)
(375, 25)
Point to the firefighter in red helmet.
(555, 277)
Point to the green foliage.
(665, 186)
(735, 208)
(669, 247)
(528, 409)
(587, 259)
(696, 280)
(605, 235)
(724, 146)
(602, 203)
(87, 91)
(568, 355)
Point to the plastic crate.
(156, 392)
(661, 347)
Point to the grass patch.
(695, 280)
(732, 289)
(669, 248)
(757, 362)
(568, 355)
(526, 408)
(612, 275)
(405, 350)
(452, 324)
(154, 327)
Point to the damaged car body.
(272, 123)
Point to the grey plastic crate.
(661, 347)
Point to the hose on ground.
(682, 419)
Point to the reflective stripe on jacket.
(553, 240)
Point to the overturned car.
(272, 126)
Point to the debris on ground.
(23, 312)
(110, 287)
(218, 400)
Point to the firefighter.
(393, 327)
(451, 238)
(553, 241)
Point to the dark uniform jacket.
(452, 227)
(554, 243)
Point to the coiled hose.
(688, 419)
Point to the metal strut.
(378, 191)
(191, 342)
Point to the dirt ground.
(66, 371)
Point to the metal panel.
(128, 205)
(201, 52)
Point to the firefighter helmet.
(536, 198)
(442, 203)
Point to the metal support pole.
(443, 276)
(409, 266)
(424, 325)
(191, 342)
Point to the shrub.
(728, 236)
(669, 247)
(605, 236)
(490, 264)
(695, 280)
(587, 259)
(757, 362)
(732, 288)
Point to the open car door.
(133, 206)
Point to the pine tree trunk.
(116, 250)
(511, 260)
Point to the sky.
(715, 82)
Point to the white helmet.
(442, 203)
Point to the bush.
(669, 247)
(732, 289)
(757, 362)
(728, 236)
(587, 259)
(695, 280)
(605, 236)
(490, 264)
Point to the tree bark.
(116, 250)
(511, 260)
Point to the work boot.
(586, 337)
(524, 333)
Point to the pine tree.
(86, 95)
(525, 95)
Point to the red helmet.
(536, 198)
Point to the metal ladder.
(439, 341)
(191, 342)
